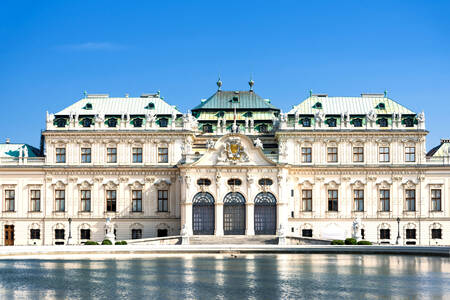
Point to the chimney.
(8, 140)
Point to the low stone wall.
(296, 240)
(168, 240)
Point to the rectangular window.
(86, 200)
(163, 200)
(436, 233)
(137, 200)
(385, 234)
(332, 200)
(332, 154)
(60, 199)
(306, 154)
(358, 197)
(85, 234)
(59, 234)
(411, 234)
(111, 200)
(358, 154)
(35, 234)
(307, 200)
(163, 155)
(410, 200)
(35, 198)
(436, 200)
(410, 154)
(137, 155)
(9, 200)
(384, 154)
(85, 155)
(60, 155)
(307, 232)
(385, 198)
(136, 234)
(111, 155)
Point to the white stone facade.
(146, 179)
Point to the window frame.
(10, 200)
(83, 232)
(385, 233)
(306, 155)
(333, 200)
(358, 200)
(60, 153)
(136, 200)
(35, 234)
(35, 201)
(436, 233)
(163, 155)
(332, 154)
(58, 233)
(60, 201)
(111, 155)
(358, 157)
(137, 155)
(384, 155)
(86, 155)
(136, 233)
(410, 233)
(436, 201)
(111, 202)
(410, 156)
(163, 200)
(85, 200)
(410, 199)
(307, 198)
(385, 200)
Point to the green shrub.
(106, 242)
(118, 243)
(124, 243)
(350, 241)
(91, 243)
(337, 242)
(364, 243)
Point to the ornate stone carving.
(233, 151)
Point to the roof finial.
(85, 94)
(385, 93)
(251, 83)
(219, 83)
(310, 93)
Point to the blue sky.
(52, 51)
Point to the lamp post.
(69, 240)
(398, 231)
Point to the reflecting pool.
(224, 277)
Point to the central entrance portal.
(234, 214)
(203, 213)
(265, 213)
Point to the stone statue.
(357, 228)
(20, 152)
(421, 117)
(110, 231)
(319, 116)
(259, 144)
(234, 128)
(25, 151)
(283, 118)
(372, 115)
(99, 118)
(210, 144)
(50, 118)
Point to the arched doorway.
(203, 213)
(265, 213)
(234, 213)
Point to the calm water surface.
(223, 277)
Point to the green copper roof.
(13, 150)
(353, 105)
(225, 100)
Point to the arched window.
(61, 122)
(112, 122)
(204, 181)
(331, 122)
(409, 122)
(150, 105)
(265, 199)
(86, 122)
(263, 128)
(163, 122)
(318, 105)
(207, 128)
(137, 122)
(88, 106)
(265, 181)
(234, 181)
(357, 122)
(306, 122)
(203, 198)
(383, 122)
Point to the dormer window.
(137, 122)
(318, 105)
(163, 122)
(234, 181)
(409, 122)
(235, 99)
(357, 122)
(112, 122)
(207, 128)
(306, 122)
(86, 122)
(220, 114)
(265, 182)
(248, 114)
(61, 122)
(331, 122)
(204, 182)
(88, 106)
(383, 122)
(150, 105)
(380, 105)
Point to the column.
(250, 218)
(218, 208)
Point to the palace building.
(234, 165)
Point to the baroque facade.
(234, 165)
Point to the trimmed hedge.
(337, 242)
(91, 243)
(121, 243)
(364, 243)
(106, 242)
(350, 241)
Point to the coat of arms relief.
(233, 151)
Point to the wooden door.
(9, 235)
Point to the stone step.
(233, 240)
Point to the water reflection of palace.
(234, 165)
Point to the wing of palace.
(233, 165)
